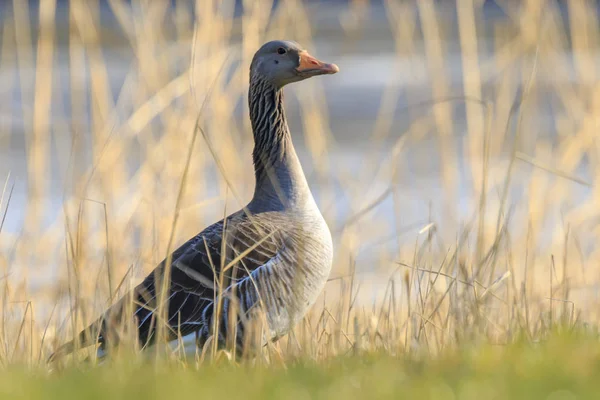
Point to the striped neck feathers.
(278, 173)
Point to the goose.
(274, 254)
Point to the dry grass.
(510, 138)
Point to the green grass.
(562, 367)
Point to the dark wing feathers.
(192, 279)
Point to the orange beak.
(311, 66)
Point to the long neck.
(280, 182)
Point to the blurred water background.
(436, 104)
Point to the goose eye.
(281, 50)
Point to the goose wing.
(241, 244)
(220, 255)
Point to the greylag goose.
(275, 253)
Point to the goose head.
(281, 62)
